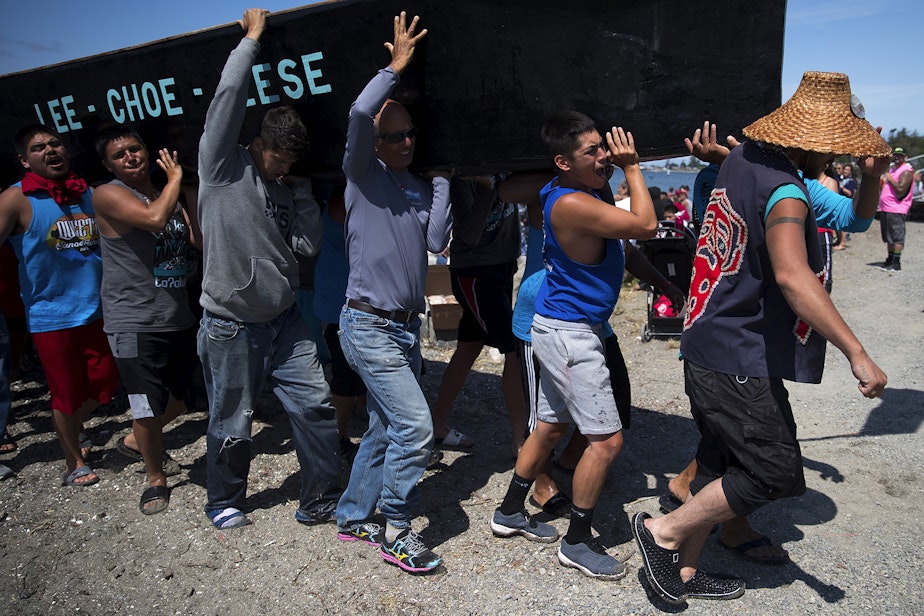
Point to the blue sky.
(872, 41)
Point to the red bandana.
(64, 192)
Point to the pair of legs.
(590, 472)
(736, 474)
(81, 373)
(485, 294)
(157, 371)
(237, 359)
(454, 378)
(892, 230)
(545, 487)
(736, 531)
(395, 448)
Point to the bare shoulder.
(13, 200)
(109, 195)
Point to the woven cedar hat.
(822, 116)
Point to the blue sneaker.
(367, 532)
(409, 552)
(521, 524)
(591, 559)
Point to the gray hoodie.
(249, 226)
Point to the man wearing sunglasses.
(393, 219)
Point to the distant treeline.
(912, 142)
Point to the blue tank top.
(331, 271)
(60, 268)
(575, 291)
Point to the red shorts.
(78, 366)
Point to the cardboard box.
(445, 312)
(438, 281)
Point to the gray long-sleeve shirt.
(249, 225)
(393, 218)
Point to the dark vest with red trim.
(737, 320)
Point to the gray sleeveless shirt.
(144, 278)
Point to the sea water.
(663, 179)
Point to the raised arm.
(118, 209)
(225, 117)
(705, 146)
(405, 40)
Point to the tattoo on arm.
(785, 219)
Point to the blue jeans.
(237, 358)
(395, 449)
(6, 398)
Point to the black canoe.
(479, 88)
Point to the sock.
(896, 257)
(579, 529)
(516, 495)
(391, 532)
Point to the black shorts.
(485, 294)
(748, 437)
(344, 381)
(154, 366)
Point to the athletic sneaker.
(894, 266)
(705, 586)
(662, 566)
(521, 524)
(409, 552)
(368, 532)
(591, 559)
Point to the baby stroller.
(671, 252)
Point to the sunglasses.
(399, 137)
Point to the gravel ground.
(851, 536)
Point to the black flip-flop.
(127, 451)
(7, 442)
(559, 506)
(760, 542)
(668, 503)
(152, 494)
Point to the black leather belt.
(400, 316)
